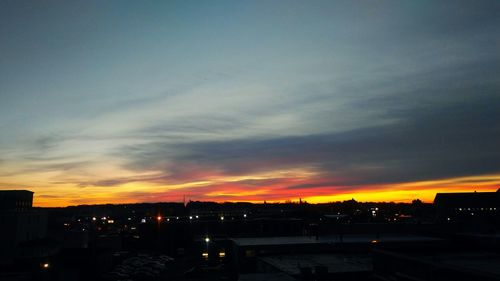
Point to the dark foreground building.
(471, 206)
(25, 251)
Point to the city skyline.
(125, 102)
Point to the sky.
(148, 101)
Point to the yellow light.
(45, 265)
(374, 241)
(159, 218)
(205, 255)
(222, 254)
(111, 221)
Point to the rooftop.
(291, 264)
(297, 240)
(275, 276)
(477, 261)
(468, 199)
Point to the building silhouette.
(467, 206)
(22, 227)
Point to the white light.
(222, 218)
(94, 218)
(190, 217)
(244, 215)
(143, 220)
(196, 216)
(207, 239)
(46, 265)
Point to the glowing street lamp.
(207, 240)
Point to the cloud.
(445, 138)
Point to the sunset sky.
(147, 101)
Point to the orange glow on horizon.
(220, 191)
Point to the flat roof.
(335, 263)
(15, 191)
(477, 261)
(347, 238)
(274, 276)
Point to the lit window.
(205, 255)
(222, 254)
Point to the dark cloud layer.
(428, 141)
(439, 123)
